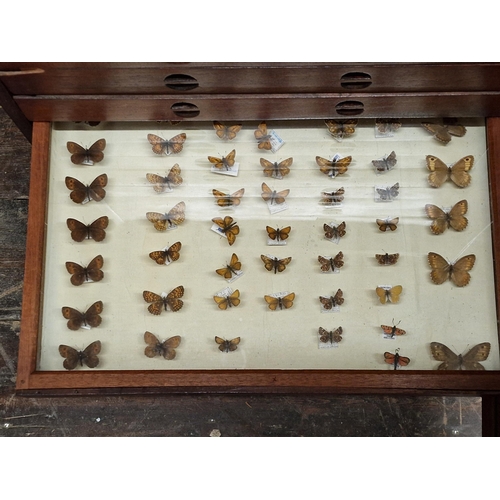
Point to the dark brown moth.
(75, 358)
(77, 319)
(86, 156)
(81, 193)
(94, 231)
(157, 348)
(92, 272)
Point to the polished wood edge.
(35, 243)
(15, 113)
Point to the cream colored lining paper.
(287, 339)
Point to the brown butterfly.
(333, 197)
(458, 272)
(263, 138)
(327, 337)
(395, 359)
(228, 200)
(77, 319)
(226, 132)
(81, 231)
(341, 129)
(334, 232)
(333, 167)
(387, 125)
(279, 265)
(82, 274)
(227, 345)
(163, 146)
(458, 172)
(386, 163)
(453, 218)
(84, 156)
(231, 300)
(81, 193)
(275, 169)
(273, 197)
(74, 357)
(388, 224)
(278, 234)
(169, 302)
(173, 218)
(157, 348)
(443, 133)
(392, 330)
(280, 302)
(328, 263)
(228, 227)
(170, 254)
(232, 268)
(387, 259)
(392, 294)
(332, 301)
(225, 162)
(388, 193)
(452, 361)
(162, 184)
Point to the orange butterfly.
(458, 272)
(162, 184)
(225, 162)
(341, 128)
(82, 274)
(168, 302)
(77, 319)
(333, 167)
(86, 156)
(395, 359)
(230, 300)
(226, 132)
(280, 302)
(81, 193)
(327, 337)
(232, 268)
(228, 200)
(228, 227)
(392, 330)
(275, 169)
(173, 218)
(279, 265)
(453, 218)
(443, 133)
(389, 293)
(74, 357)
(278, 234)
(458, 172)
(334, 232)
(95, 230)
(328, 263)
(167, 255)
(387, 259)
(227, 345)
(263, 138)
(333, 197)
(273, 197)
(157, 348)
(331, 302)
(385, 224)
(163, 146)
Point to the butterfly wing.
(262, 136)
(387, 259)
(440, 268)
(394, 293)
(456, 130)
(440, 352)
(324, 335)
(96, 189)
(79, 230)
(158, 143)
(96, 230)
(438, 171)
(284, 167)
(384, 224)
(168, 347)
(94, 268)
(272, 302)
(177, 214)
(268, 262)
(281, 264)
(78, 153)
(95, 152)
(92, 315)
(155, 301)
(226, 132)
(159, 220)
(439, 132)
(456, 216)
(382, 294)
(78, 189)
(173, 298)
(460, 270)
(327, 302)
(175, 144)
(89, 354)
(459, 172)
(325, 166)
(153, 342)
(341, 229)
(480, 352)
(75, 318)
(174, 176)
(287, 300)
(72, 356)
(338, 299)
(77, 273)
(439, 216)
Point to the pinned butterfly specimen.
(77, 319)
(262, 136)
(162, 146)
(389, 293)
(273, 197)
(280, 302)
(279, 265)
(230, 300)
(226, 132)
(468, 361)
(82, 274)
(75, 358)
(278, 234)
(443, 219)
(231, 269)
(388, 193)
(81, 193)
(458, 272)
(275, 169)
(86, 156)
(331, 263)
(340, 129)
(334, 232)
(443, 133)
(228, 227)
(225, 162)
(228, 200)
(458, 172)
(157, 348)
(395, 359)
(332, 301)
(169, 220)
(95, 231)
(227, 345)
(387, 259)
(388, 224)
(167, 302)
(333, 197)
(392, 331)
(333, 337)
(386, 163)
(170, 254)
(387, 126)
(165, 183)
(335, 166)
